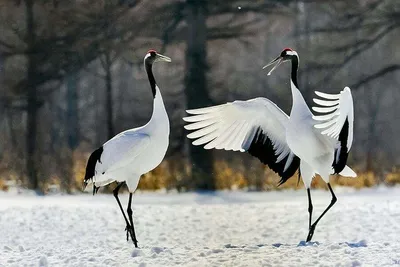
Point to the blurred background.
(72, 76)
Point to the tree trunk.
(196, 88)
(72, 110)
(32, 102)
(109, 99)
(303, 43)
(371, 140)
(72, 129)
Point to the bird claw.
(129, 232)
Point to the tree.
(51, 41)
(190, 22)
(196, 86)
(32, 100)
(357, 29)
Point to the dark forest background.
(71, 77)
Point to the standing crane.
(314, 144)
(134, 152)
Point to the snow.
(191, 229)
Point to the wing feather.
(204, 110)
(203, 131)
(207, 138)
(220, 138)
(338, 124)
(232, 138)
(326, 117)
(257, 126)
(201, 117)
(332, 123)
(325, 109)
(326, 103)
(325, 124)
(200, 124)
(327, 96)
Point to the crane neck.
(159, 121)
(295, 67)
(152, 80)
(159, 117)
(300, 109)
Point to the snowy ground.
(222, 229)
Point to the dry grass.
(3, 186)
(174, 173)
(157, 179)
(393, 177)
(228, 178)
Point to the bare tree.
(373, 21)
(196, 86)
(189, 24)
(74, 34)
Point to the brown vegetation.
(228, 176)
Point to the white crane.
(134, 152)
(316, 144)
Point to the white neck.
(159, 118)
(299, 106)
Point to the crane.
(312, 144)
(131, 153)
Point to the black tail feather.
(339, 164)
(91, 166)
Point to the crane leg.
(115, 193)
(310, 208)
(132, 228)
(312, 228)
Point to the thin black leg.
(310, 207)
(129, 211)
(312, 228)
(115, 192)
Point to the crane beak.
(160, 57)
(277, 61)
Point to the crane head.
(152, 56)
(286, 54)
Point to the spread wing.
(257, 126)
(335, 119)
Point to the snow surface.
(219, 229)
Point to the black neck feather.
(295, 67)
(151, 78)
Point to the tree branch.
(376, 75)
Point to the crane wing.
(257, 126)
(116, 153)
(335, 119)
(121, 150)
